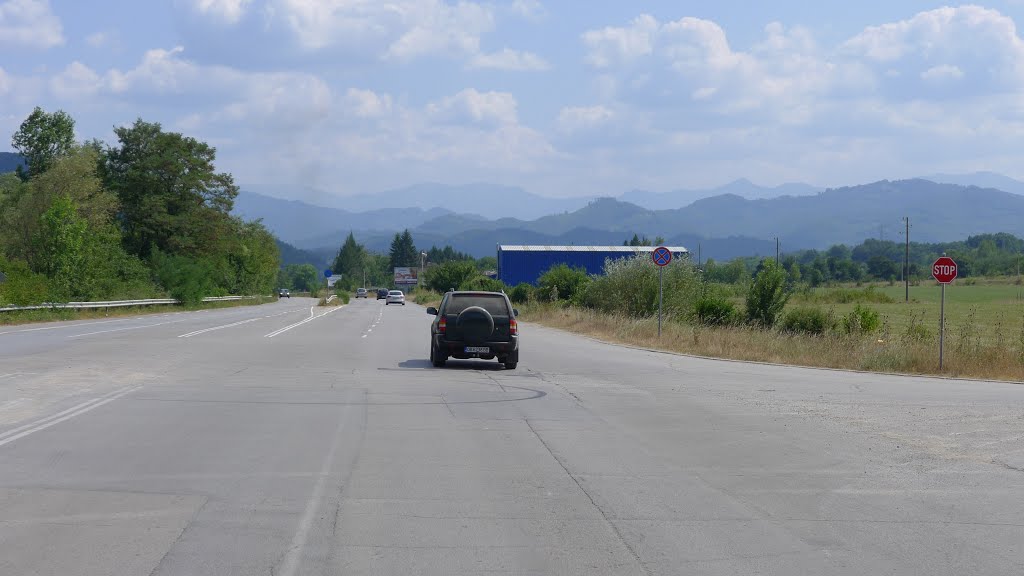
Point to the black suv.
(474, 325)
(382, 293)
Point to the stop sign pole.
(944, 271)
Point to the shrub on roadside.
(22, 286)
(521, 293)
(561, 282)
(449, 276)
(767, 295)
(807, 321)
(482, 283)
(861, 320)
(713, 310)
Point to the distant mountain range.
(726, 226)
(9, 162)
(303, 224)
(742, 187)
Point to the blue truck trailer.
(518, 264)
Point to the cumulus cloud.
(367, 103)
(471, 106)
(29, 23)
(943, 72)
(574, 118)
(228, 11)
(76, 80)
(509, 60)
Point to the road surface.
(286, 440)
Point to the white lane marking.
(127, 328)
(292, 559)
(31, 428)
(205, 330)
(364, 335)
(76, 325)
(301, 322)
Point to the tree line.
(997, 254)
(146, 216)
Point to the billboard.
(406, 275)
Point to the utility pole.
(906, 261)
(698, 254)
(776, 250)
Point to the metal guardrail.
(117, 303)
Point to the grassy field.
(991, 312)
(984, 332)
(58, 314)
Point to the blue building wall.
(516, 266)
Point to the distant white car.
(395, 297)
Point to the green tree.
(300, 277)
(172, 198)
(767, 295)
(42, 138)
(561, 282)
(450, 275)
(403, 252)
(61, 246)
(350, 261)
(253, 259)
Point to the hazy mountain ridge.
(9, 162)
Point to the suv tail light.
(513, 327)
(442, 325)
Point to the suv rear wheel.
(437, 359)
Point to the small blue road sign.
(661, 256)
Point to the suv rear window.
(495, 304)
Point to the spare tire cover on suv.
(475, 324)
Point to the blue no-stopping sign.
(661, 256)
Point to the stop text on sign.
(944, 270)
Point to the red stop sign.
(944, 270)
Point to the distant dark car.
(361, 293)
(283, 293)
(382, 293)
(474, 325)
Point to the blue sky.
(306, 97)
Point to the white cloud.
(508, 59)
(943, 72)
(29, 23)
(367, 103)
(528, 8)
(75, 81)
(613, 45)
(572, 119)
(228, 11)
(471, 106)
(978, 41)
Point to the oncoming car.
(474, 325)
(395, 297)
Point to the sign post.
(661, 257)
(944, 272)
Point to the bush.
(22, 287)
(483, 284)
(767, 295)
(521, 293)
(861, 320)
(450, 275)
(715, 311)
(807, 321)
(561, 282)
(630, 286)
(186, 279)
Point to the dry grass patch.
(882, 352)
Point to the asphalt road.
(260, 441)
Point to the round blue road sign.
(327, 273)
(661, 256)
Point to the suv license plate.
(477, 350)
